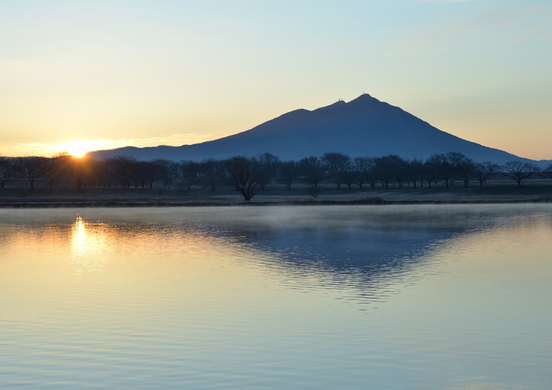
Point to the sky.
(85, 75)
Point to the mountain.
(362, 127)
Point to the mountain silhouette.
(362, 127)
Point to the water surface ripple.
(344, 297)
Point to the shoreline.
(261, 203)
(118, 198)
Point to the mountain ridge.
(364, 126)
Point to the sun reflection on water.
(87, 247)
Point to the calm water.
(413, 297)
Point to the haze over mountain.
(362, 127)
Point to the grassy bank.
(138, 197)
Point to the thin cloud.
(447, 33)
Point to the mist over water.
(417, 297)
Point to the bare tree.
(446, 170)
(81, 169)
(364, 169)
(166, 171)
(53, 169)
(415, 172)
(148, 173)
(350, 177)
(391, 168)
(400, 169)
(548, 170)
(464, 168)
(432, 169)
(484, 171)
(30, 168)
(270, 164)
(122, 168)
(520, 171)
(336, 166)
(312, 172)
(211, 172)
(187, 173)
(451, 167)
(288, 173)
(246, 175)
(6, 170)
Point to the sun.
(78, 148)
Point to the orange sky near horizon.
(80, 76)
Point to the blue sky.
(115, 73)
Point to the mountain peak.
(362, 99)
(364, 126)
(365, 99)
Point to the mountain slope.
(363, 127)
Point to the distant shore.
(69, 198)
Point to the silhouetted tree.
(288, 173)
(350, 177)
(415, 172)
(400, 169)
(167, 171)
(519, 171)
(30, 168)
(53, 169)
(211, 172)
(390, 168)
(548, 170)
(446, 171)
(312, 173)
(336, 165)
(121, 168)
(450, 167)
(187, 173)
(464, 168)
(442, 168)
(484, 171)
(79, 168)
(364, 169)
(432, 169)
(245, 175)
(102, 177)
(147, 173)
(384, 171)
(7, 171)
(270, 164)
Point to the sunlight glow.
(78, 148)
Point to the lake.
(306, 297)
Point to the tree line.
(250, 175)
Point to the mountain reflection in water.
(417, 297)
(357, 247)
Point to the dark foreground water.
(367, 297)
